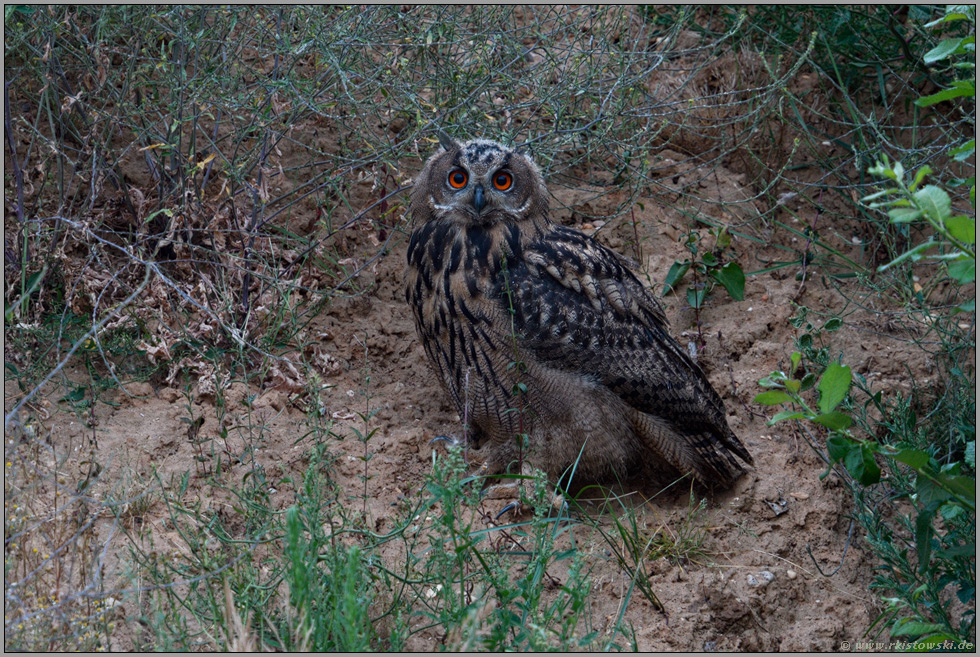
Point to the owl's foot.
(516, 491)
(449, 440)
(559, 507)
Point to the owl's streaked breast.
(454, 290)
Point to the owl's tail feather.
(708, 457)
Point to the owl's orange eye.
(457, 179)
(503, 181)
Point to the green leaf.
(910, 627)
(152, 215)
(732, 278)
(833, 324)
(965, 550)
(962, 485)
(33, 279)
(964, 152)
(695, 297)
(838, 447)
(920, 176)
(945, 94)
(883, 170)
(970, 457)
(75, 395)
(773, 380)
(871, 197)
(963, 271)
(950, 511)
(895, 202)
(962, 228)
(933, 641)
(913, 458)
(928, 491)
(923, 540)
(914, 253)
(860, 462)
(945, 48)
(934, 201)
(834, 420)
(10, 10)
(785, 415)
(675, 274)
(904, 215)
(954, 13)
(833, 386)
(772, 398)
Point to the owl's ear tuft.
(446, 141)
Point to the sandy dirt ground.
(754, 585)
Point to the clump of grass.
(54, 590)
(683, 543)
(481, 586)
(636, 547)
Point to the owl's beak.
(479, 200)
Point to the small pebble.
(791, 574)
(762, 578)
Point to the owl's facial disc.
(483, 182)
(477, 192)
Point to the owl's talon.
(513, 506)
(558, 505)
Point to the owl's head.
(479, 182)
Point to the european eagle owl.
(550, 348)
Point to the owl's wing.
(580, 309)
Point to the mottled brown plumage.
(535, 328)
